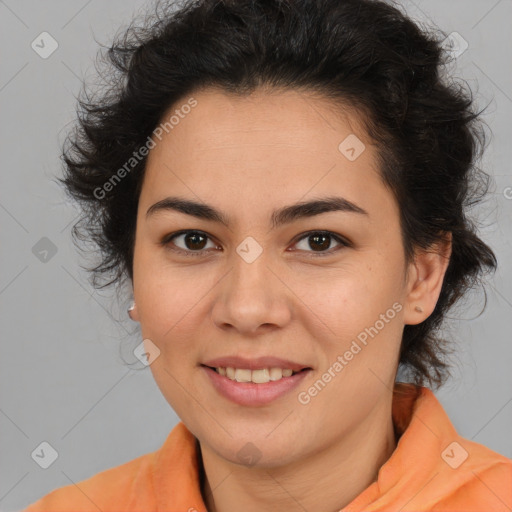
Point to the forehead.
(294, 118)
(267, 147)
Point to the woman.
(284, 184)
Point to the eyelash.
(168, 238)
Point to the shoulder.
(158, 479)
(113, 489)
(482, 481)
(435, 468)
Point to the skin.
(248, 156)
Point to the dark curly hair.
(363, 53)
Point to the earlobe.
(133, 313)
(426, 276)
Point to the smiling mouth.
(260, 376)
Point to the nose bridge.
(251, 295)
(251, 277)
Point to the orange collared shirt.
(432, 468)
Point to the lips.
(254, 382)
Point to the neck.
(325, 481)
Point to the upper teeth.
(256, 376)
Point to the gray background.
(63, 379)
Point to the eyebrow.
(279, 217)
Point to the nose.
(252, 298)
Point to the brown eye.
(188, 242)
(320, 242)
(195, 241)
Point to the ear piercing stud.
(130, 310)
(418, 309)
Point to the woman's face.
(267, 288)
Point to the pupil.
(316, 238)
(192, 241)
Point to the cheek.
(354, 296)
(170, 300)
(165, 305)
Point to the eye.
(320, 241)
(193, 242)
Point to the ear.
(425, 280)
